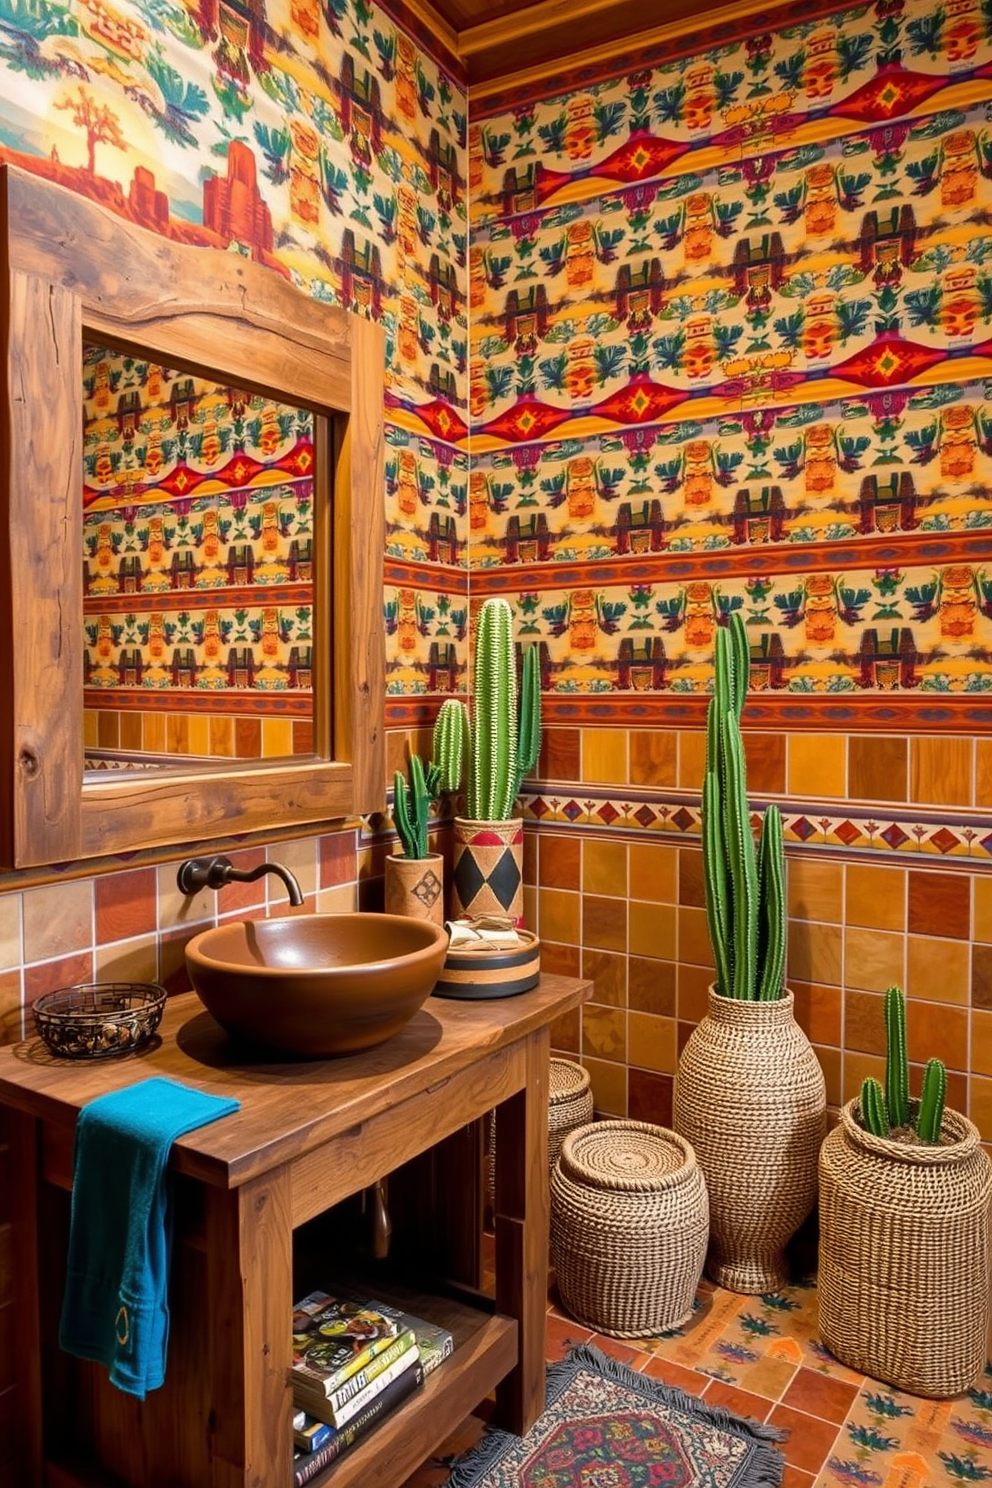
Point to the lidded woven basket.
(904, 1273)
(629, 1225)
(570, 1102)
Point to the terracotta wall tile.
(982, 915)
(818, 1011)
(693, 938)
(11, 953)
(604, 756)
(874, 959)
(983, 772)
(222, 737)
(126, 904)
(108, 729)
(58, 918)
(939, 904)
(128, 960)
(604, 922)
(338, 859)
(247, 738)
(815, 889)
(856, 1068)
(980, 1105)
(559, 860)
(652, 1042)
(875, 896)
(176, 908)
(604, 866)
(566, 1031)
(11, 1009)
(981, 976)
(691, 886)
(934, 1032)
(817, 765)
(981, 1043)
(938, 970)
(652, 929)
(563, 960)
(765, 763)
(561, 754)
(941, 770)
(649, 1097)
(609, 1086)
(957, 1086)
(344, 898)
(653, 757)
(608, 971)
(299, 855)
(815, 952)
(172, 972)
(559, 916)
(604, 1032)
(692, 992)
(692, 759)
(49, 976)
(864, 1022)
(878, 766)
(831, 1062)
(653, 869)
(651, 986)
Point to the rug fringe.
(765, 1468)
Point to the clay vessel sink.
(316, 984)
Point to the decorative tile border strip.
(813, 826)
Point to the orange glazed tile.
(814, 953)
(653, 757)
(559, 915)
(247, 738)
(939, 904)
(693, 991)
(694, 940)
(131, 732)
(938, 970)
(651, 986)
(691, 878)
(604, 923)
(739, 1402)
(935, 1032)
(177, 740)
(604, 1031)
(530, 858)
(609, 973)
(981, 1043)
(864, 1022)
(981, 976)
(810, 1440)
(980, 1105)
(818, 1011)
(649, 1096)
(11, 1015)
(563, 960)
(817, 765)
(222, 737)
(337, 859)
(692, 759)
(676, 1375)
(49, 976)
(820, 1395)
(172, 971)
(609, 1085)
(559, 860)
(857, 1068)
(983, 772)
(153, 733)
(877, 768)
(652, 1042)
(874, 959)
(126, 904)
(604, 756)
(561, 754)
(815, 890)
(561, 1335)
(765, 763)
(58, 918)
(831, 1062)
(875, 897)
(982, 892)
(109, 732)
(10, 930)
(652, 929)
(128, 961)
(604, 866)
(653, 870)
(566, 1033)
(941, 770)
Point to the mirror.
(197, 568)
(76, 275)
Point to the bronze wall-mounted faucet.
(214, 873)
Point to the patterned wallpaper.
(322, 140)
(732, 350)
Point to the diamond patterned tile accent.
(608, 813)
(944, 840)
(894, 836)
(683, 819)
(572, 810)
(539, 807)
(803, 828)
(645, 817)
(848, 833)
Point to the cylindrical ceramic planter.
(488, 873)
(904, 1274)
(415, 886)
(750, 1098)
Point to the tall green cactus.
(931, 1113)
(896, 1059)
(450, 745)
(529, 717)
(873, 1113)
(744, 886)
(493, 766)
(881, 1115)
(412, 803)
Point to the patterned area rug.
(606, 1426)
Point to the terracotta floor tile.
(675, 1374)
(810, 1441)
(618, 1349)
(741, 1402)
(820, 1395)
(793, 1478)
(563, 1334)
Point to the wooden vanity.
(308, 1136)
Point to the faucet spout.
(215, 872)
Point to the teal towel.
(116, 1304)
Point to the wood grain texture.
(74, 269)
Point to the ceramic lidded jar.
(751, 1100)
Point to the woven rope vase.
(904, 1255)
(629, 1221)
(750, 1098)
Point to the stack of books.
(354, 1361)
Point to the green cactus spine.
(874, 1117)
(493, 766)
(744, 888)
(450, 745)
(931, 1112)
(411, 806)
(896, 1061)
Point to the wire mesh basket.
(97, 1019)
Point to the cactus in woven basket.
(881, 1114)
(744, 885)
(494, 752)
(412, 804)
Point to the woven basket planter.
(488, 872)
(904, 1255)
(570, 1105)
(750, 1098)
(629, 1222)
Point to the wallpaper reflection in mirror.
(197, 568)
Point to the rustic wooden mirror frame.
(71, 268)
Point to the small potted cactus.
(489, 756)
(905, 1189)
(749, 1091)
(415, 878)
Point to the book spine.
(352, 1407)
(324, 1383)
(357, 1382)
(387, 1401)
(437, 1352)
